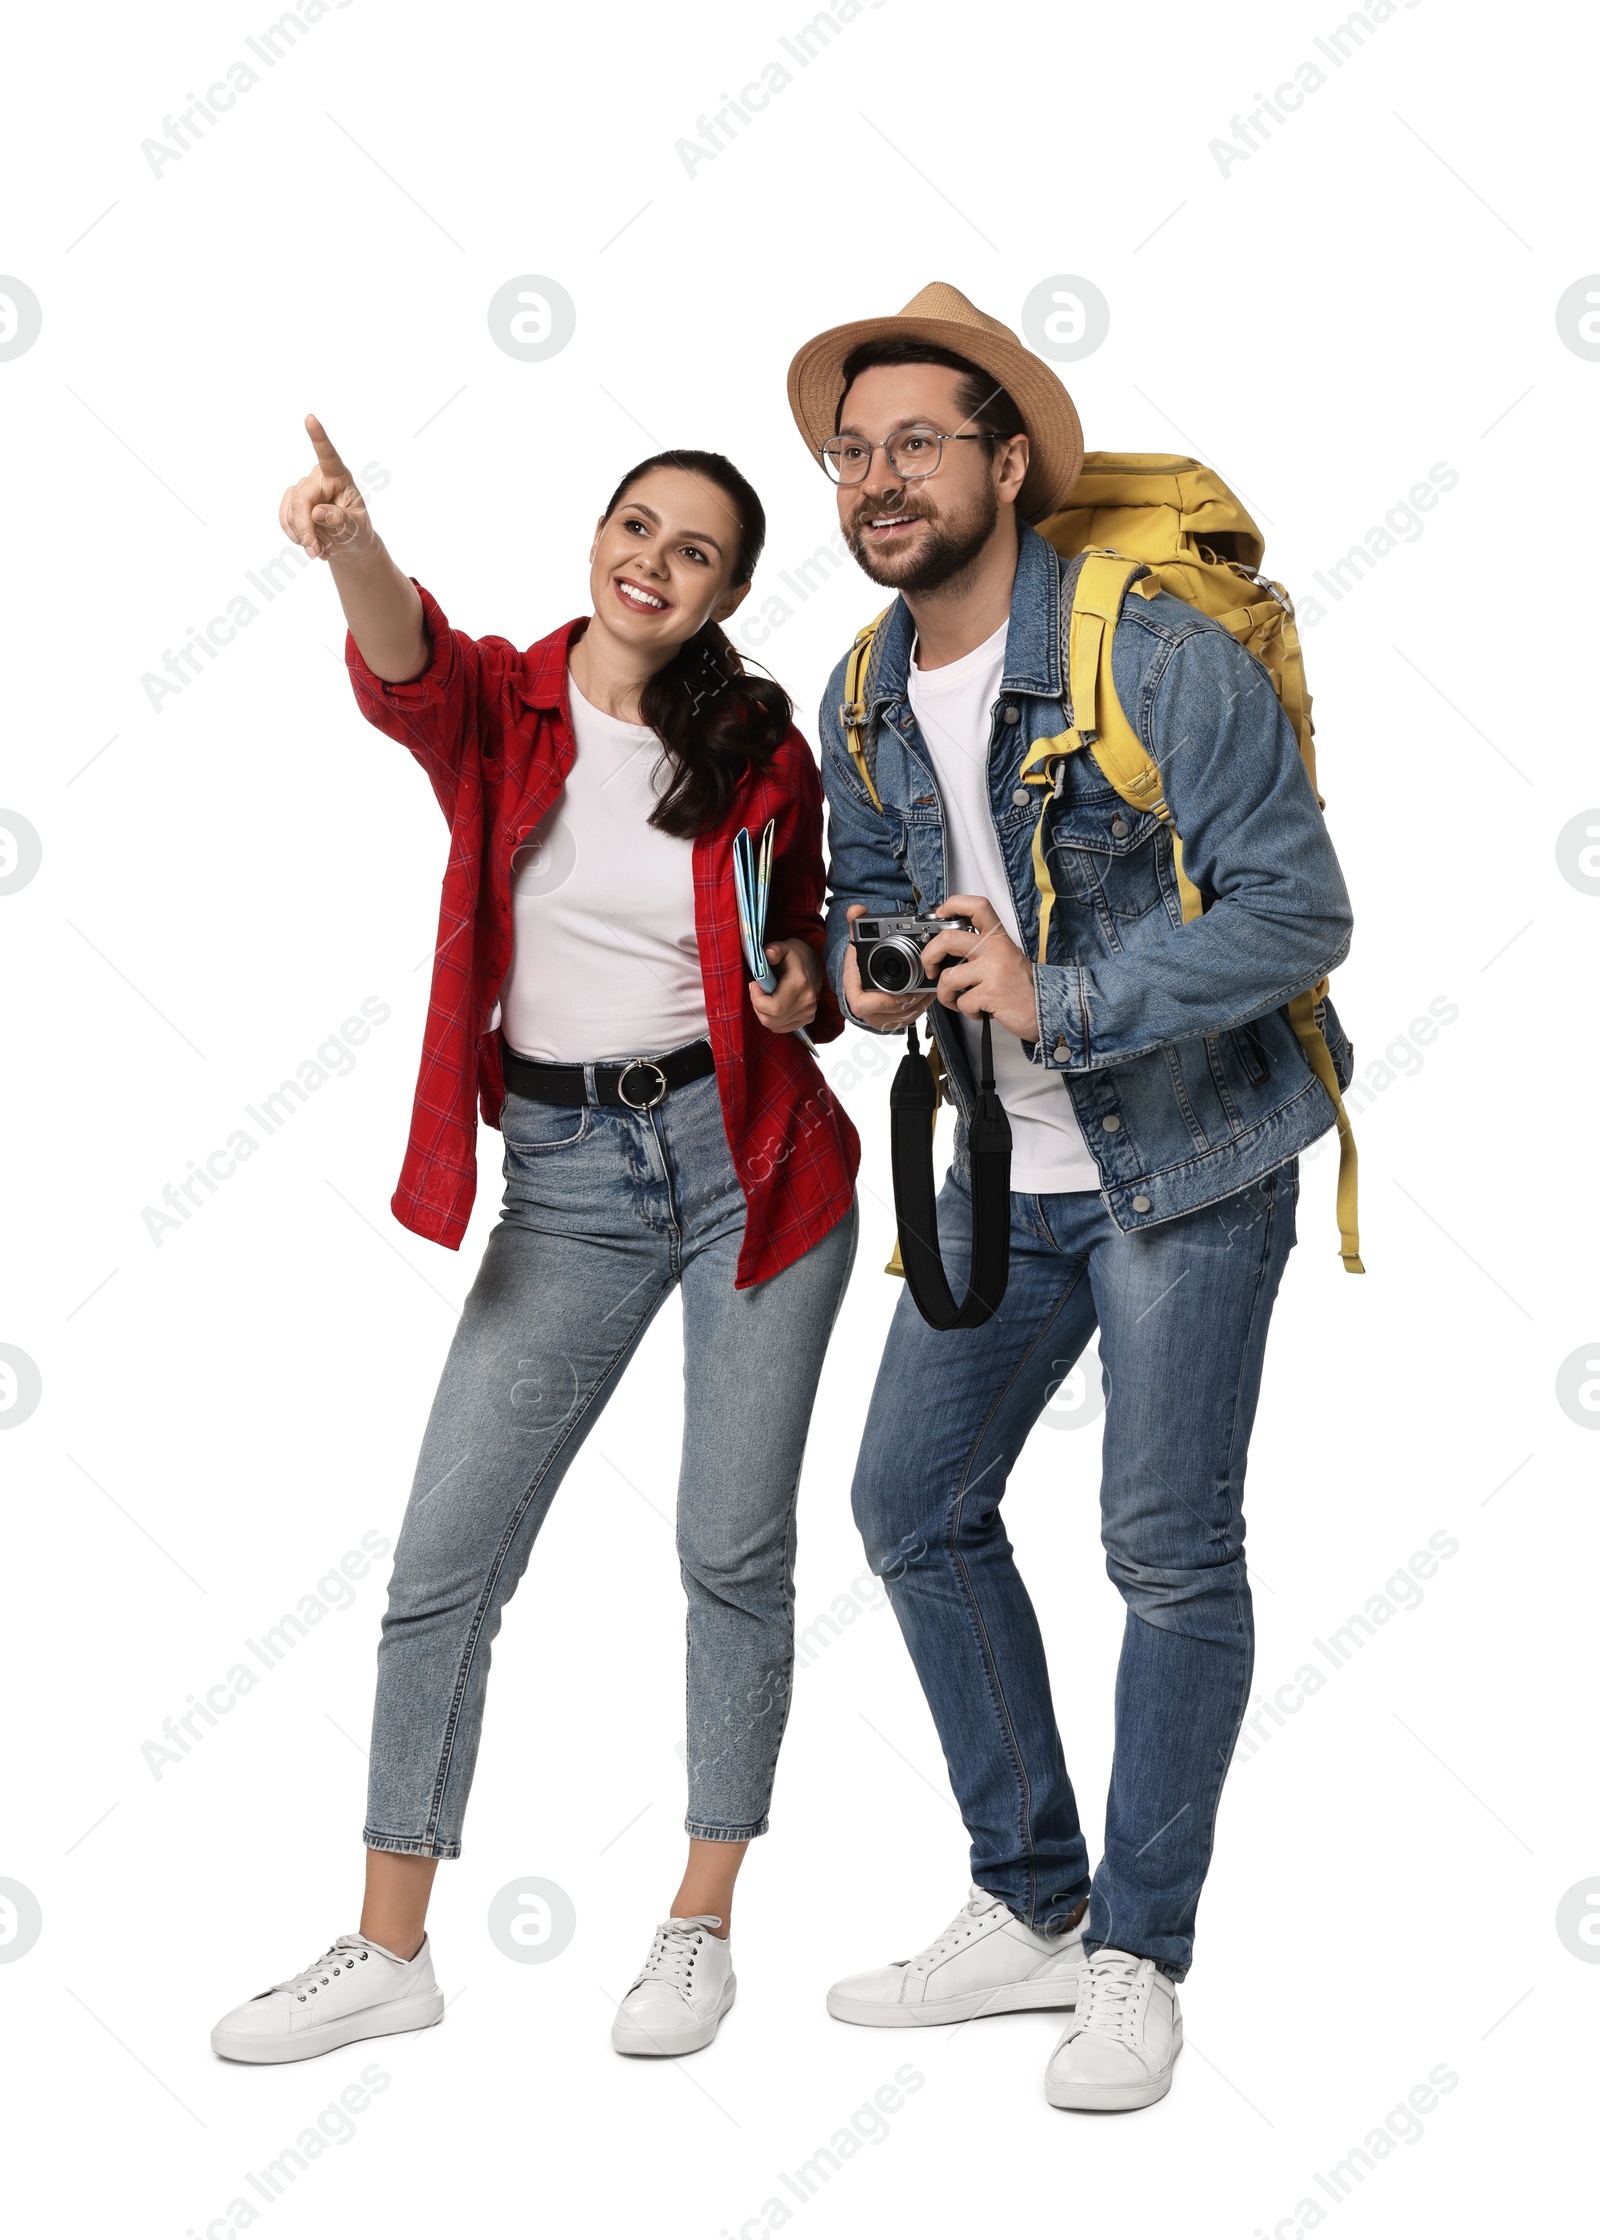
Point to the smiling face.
(918, 536)
(663, 562)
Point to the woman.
(662, 1126)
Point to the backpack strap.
(1305, 1016)
(853, 713)
(1088, 628)
(1103, 583)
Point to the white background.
(226, 878)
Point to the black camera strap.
(913, 1101)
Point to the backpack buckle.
(1265, 583)
(853, 715)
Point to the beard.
(948, 550)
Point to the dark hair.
(989, 408)
(714, 722)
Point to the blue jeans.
(605, 1213)
(1182, 1309)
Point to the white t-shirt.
(954, 708)
(605, 963)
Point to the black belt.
(638, 1086)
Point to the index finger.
(977, 907)
(327, 457)
(950, 948)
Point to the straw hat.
(941, 314)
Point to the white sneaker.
(1118, 2049)
(358, 1989)
(681, 1993)
(987, 1962)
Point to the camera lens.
(890, 969)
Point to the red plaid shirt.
(493, 730)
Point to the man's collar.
(1033, 641)
(1033, 636)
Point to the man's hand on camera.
(870, 1005)
(983, 970)
(793, 1002)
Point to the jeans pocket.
(530, 1127)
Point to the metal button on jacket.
(1020, 797)
(1013, 715)
(1119, 828)
(1111, 1123)
(1141, 1204)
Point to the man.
(1158, 1097)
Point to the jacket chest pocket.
(917, 844)
(1106, 854)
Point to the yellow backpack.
(1149, 522)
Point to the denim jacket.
(1173, 1041)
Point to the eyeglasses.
(912, 453)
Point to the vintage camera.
(889, 951)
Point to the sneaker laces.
(343, 1953)
(673, 1951)
(1108, 1995)
(957, 1934)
